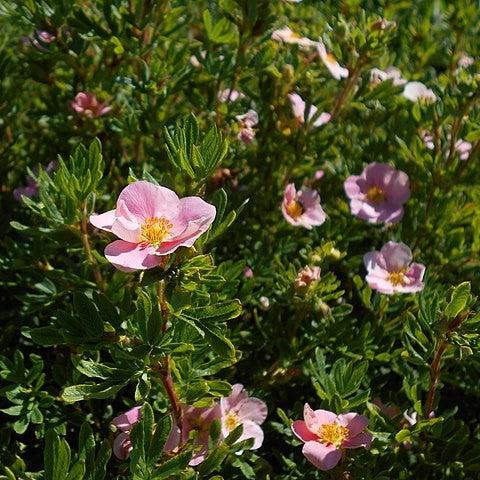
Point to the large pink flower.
(391, 270)
(302, 208)
(151, 221)
(326, 435)
(378, 194)
(240, 409)
(87, 104)
(122, 446)
(198, 419)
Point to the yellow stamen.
(155, 230)
(375, 194)
(295, 209)
(333, 434)
(231, 421)
(330, 58)
(397, 278)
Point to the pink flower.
(151, 221)
(198, 419)
(240, 409)
(298, 108)
(39, 38)
(286, 35)
(326, 435)
(302, 208)
(318, 175)
(427, 138)
(465, 61)
(247, 122)
(338, 72)
(306, 276)
(87, 104)
(391, 73)
(226, 96)
(391, 270)
(378, 194)
(418, 92)
(247, 272)
(122, 446)
(463, 148)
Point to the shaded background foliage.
(339, 345)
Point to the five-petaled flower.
(302, 208)
(378, 194)
(326, 435)
(122, 446)
(87, 104)
(418, 92)
(391, 270)
(151, 221)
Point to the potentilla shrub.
(240, 239)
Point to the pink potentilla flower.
(463, 148)
(378, 194)
(246, 135)
(39, 38)
(286, 35)
(247, 272)
(198, 419)
(418, 92)
(391, 270)
(306, 276)
(240, 409)
(338, 72)
(122, 446)
(249, 119)
(465, 61)
(87, 104)
(226, 96)
(318, 175)
(298, 108)
(427, 138)
(30, 190)
(391, 73)
(302, 208)
(326, 435)
(151, 221)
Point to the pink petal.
(122, 446)
(129, 257)
(234, 400)
(314, 419)
(352, 186)
(253, 409)
(146, 200)
(104, 221)
(363, 439)
(397, 256)
(298, 106)
(300, 429)
(252, 430)
(322, 456)
(126, 230)
(126, 420)
(354, 422)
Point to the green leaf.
(458, 300)
(75, 393)
(171, 468)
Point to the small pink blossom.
(463, 148)
(247, 272)
(247, 122)
(418, 92)
(240, 409)
(306, 276)
(427, 138)
(326, 435)
(378, 194)
(391, 73)
(298, 108)
(318, 175)
(122, 446)
(286, 35)
(87, 104)
(465, 61)
(228, 95)
(39, 38)
(302, 208)
(194, 419)
(338, 72)
(391, 270)
(151, 221)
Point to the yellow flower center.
(375, 194)
(295, 35)
(155, 230)
(333, 434)
(397, 278)
(330, 58)
(295, 209)
(231, 421)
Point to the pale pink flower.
(122, 446)
(38, 39)
(418, 92)
(264, 302)
(378, 194)
(427, 138)
(286, 35)
(465, 61)
(151, 221)
(302, 208)
(411, 419)
(247, 122)
(326, 435)
(298, 108)
(240, 409)
(463, 148)
(318, 175)
(87, 104)
(229, 95)
(391, 73)
(198, 419)
(338, 72)
(391, 270)
(247, 272)
(306, 276)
